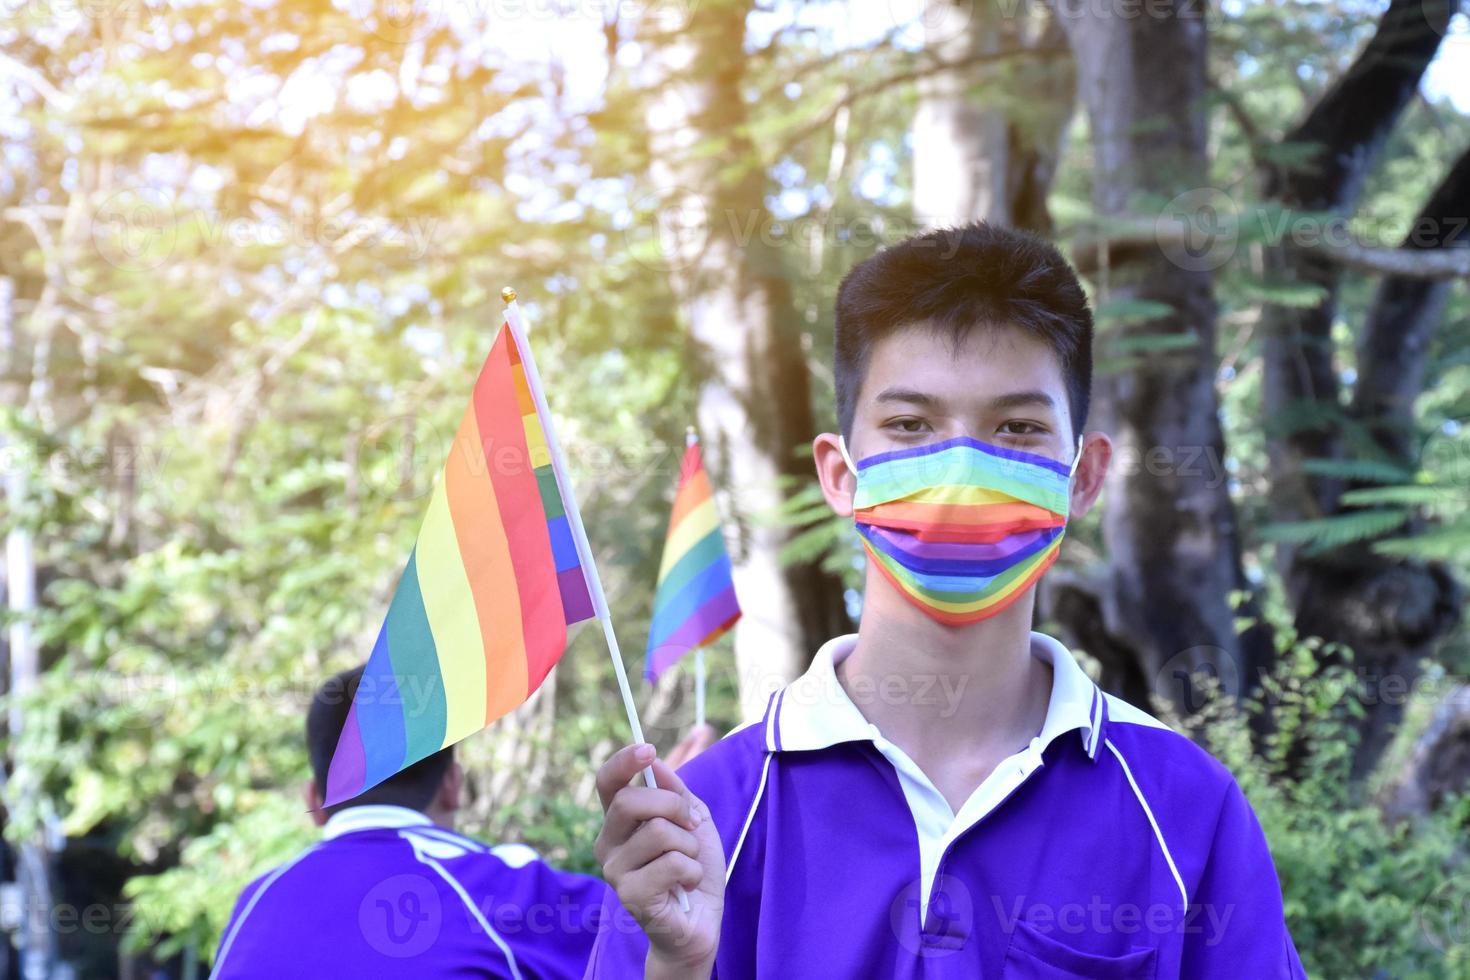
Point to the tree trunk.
(1389, 611)
(1435, 773)
(975, 158)
(1168, 520)
(34, 939)
(755, 411)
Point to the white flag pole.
(699, 686)
(517, 327)
(691, 439)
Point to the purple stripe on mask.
(958, 558)
(1016, 455)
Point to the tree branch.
(1348, 124)
(1133, 234)
(858, 93)
(1407, 310)
(1404, 263)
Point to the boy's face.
(999, 386)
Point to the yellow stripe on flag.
(687, 533)
(450, 607)
(536, 447)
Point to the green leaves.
(1364, 895)
(1442, 510)
(1326, 533)
(1121, 312)
(1365, 470)
(823, 535)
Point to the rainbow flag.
(695, 599)
(481, 612)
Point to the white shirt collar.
(372, 816)
(814, 711)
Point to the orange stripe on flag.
(485, 550)
(524, 401)
(691, 495)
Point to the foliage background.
(249, 265)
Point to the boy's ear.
(314, 803)
(1092, 469)
(838, 482)
(448, 797)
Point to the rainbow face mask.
(961, 528)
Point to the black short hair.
(957, 279)
(414, 787)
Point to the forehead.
(972, 367)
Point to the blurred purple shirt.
(1108, 848)
(388, 894)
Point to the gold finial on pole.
(508, 294)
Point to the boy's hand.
(651, 841)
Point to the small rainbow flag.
(695, 599)
(480, 614)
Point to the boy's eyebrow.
(1020, 399)
(1011, 399)
(909, 395)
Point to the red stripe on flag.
(694, 486)
(498, 413)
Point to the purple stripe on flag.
(719, 610)
(348, 768)
(576, 603)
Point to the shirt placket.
(946, 922)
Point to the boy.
(946, 793)
(392, 891)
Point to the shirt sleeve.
(546, 916)
(228, 937)
(1236, 926)
(620, 949)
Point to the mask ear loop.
(1076, 458)
(842, 448)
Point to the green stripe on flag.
(550, 494)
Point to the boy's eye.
(1018, 427)
(908, 425)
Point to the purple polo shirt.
(386, 893)
(1108, 848)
